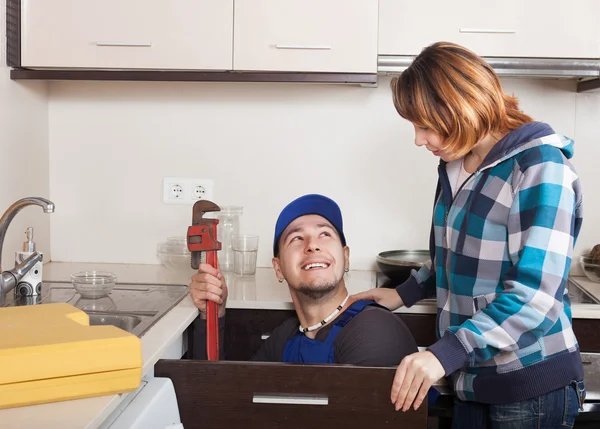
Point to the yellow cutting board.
(49, 353)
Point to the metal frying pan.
(397, 264)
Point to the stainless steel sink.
(125, 322)
(133, 307)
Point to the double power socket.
(184, 190)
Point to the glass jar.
(229, 225)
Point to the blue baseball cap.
(306, 205)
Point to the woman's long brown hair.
(454, 92)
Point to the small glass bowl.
(174, 254)
(591, 270)
(94, 284)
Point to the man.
(311, 255)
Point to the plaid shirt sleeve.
(543, 223)
(418, 285)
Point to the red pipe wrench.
(202, 242)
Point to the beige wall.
(23, 155)
(112, 143)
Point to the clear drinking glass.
(245, 250)
(229, 225)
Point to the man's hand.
(208, 284)
(387, 297)
(415, 375)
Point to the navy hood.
(516, 139)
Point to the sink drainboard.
(133, 307)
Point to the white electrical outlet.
(175, 191)
(198, 192)
(184, 190)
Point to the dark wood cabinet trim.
(587, 332)
(422, 326)
(13, 33)
(244, 327)
(588, 85)
(193, 76)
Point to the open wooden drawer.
(250, 395)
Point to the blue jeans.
(557, 409)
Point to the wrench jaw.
(201, 208)
(202, 235)
(196, 260)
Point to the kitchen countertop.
(586, 311)
(590, 287)
(262, 291)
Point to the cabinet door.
(558, 29)
(485, 26)
(306, 35)
(503, 28)
(127, 34)
(229, 395)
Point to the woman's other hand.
(415, 375)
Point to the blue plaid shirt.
(501, 251)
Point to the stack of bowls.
(174, 254)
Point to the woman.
(507, 213)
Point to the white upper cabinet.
(559, 29)
(127, 34)
(503, 28)
(406, 27)
(306, 35)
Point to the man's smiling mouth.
(313, 265)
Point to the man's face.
(311, 256)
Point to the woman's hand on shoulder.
(386, 297)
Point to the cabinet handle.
(290, 399)
(488, 30)
(307, 47)
(126, 44)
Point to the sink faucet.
(10, 278)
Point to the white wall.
(23, 155)
(112, 143)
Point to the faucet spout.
(16, 207)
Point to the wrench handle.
(212, 316)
